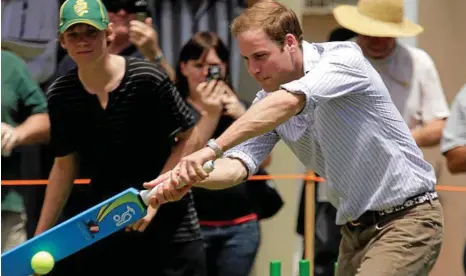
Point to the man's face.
(376, 47)
(84, 43)
(267, 62)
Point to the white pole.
(411, 12)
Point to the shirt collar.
(310, 56)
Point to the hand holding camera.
(231, 104)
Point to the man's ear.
(290, 42)
(109, 33)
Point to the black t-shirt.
(129, 141)
(227, 204)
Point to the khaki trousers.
(407, 243)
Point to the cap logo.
(81, 8)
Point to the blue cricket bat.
(82, 230)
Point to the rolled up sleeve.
(254, 151)
(337, 74)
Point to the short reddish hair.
(274, 18)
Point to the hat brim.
(94, 23)
(349, 17)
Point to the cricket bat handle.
(147, 194)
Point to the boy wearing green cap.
(125, 120)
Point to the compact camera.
(214, 72)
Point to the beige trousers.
(406, 244)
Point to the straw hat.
(379, 18)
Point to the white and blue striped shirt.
(349, 132)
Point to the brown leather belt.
(373, 217)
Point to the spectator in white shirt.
(408, 72)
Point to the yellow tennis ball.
(42, 262)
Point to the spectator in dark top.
(229, 226)
(131, 38)
(124, 117)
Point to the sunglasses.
(129, 6)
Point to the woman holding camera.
(229, 225)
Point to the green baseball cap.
(91, 12)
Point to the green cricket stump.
(275, 268)
(304, 267)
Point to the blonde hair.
(274, 18)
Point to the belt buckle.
(352, 226)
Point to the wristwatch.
(213, 145)
(157, 59)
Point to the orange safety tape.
(450, 188)
(87, 181)
(287, 176)
(254, 177)
(34, 182)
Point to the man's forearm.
(456, 160)
(58, 190)
(227, 173)
(35, 129)
(262, 117)
(430, 134)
